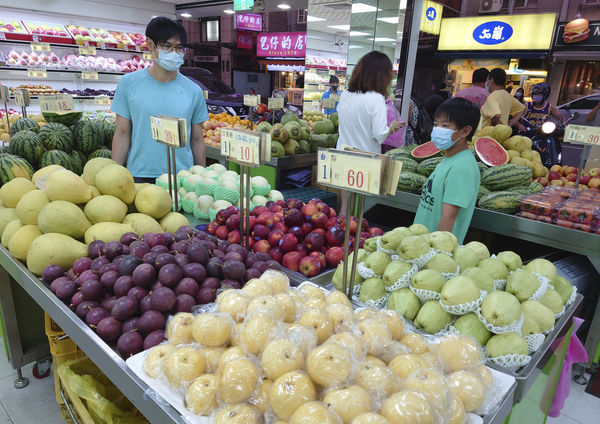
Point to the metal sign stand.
(245, 205)
(172, 171)
(5, 95)
(22, 99)
(348, 285)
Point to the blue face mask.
(170, 61)
(442, 137)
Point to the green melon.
(12, 166)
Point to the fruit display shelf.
(103, 355)
(25, 39)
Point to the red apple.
(234, 237)
(543, 181)
(295, 204)
(553, 176)
(278, 217)
(365, 224)
(233, 222)
(302, 250)
(306, 227)
(281, 227)
(556, 168)
(298, 232)
(265, 218)
(333, 221)
(281, 203)
(288, 243)
(276, 254)
(594, 172)
(274, 237)
(259, 209)
(319, 230)
(332, 212)
(584, 179)
(375, 231)
(291, 260)
(324, 207)
(212, 227)
(261, 246)
(275, 208)
(572, 177)
(594, 182)
(335, 236)
(334, 256)
(309, 210)
(353, 225)
(309, 266)
(252, 223)
(321, 257)
(314, 241)
(293, 217)
(319, 219)
(572, 170)
(260, 232)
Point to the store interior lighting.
(340, 27)
(381, 39)
(185, 15)
(363, 8)
(311, 18)
(284, 6)
(390, 20)
(357, 33)
(229, 11)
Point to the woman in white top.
(362, 112)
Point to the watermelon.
(79, 161)
(424, 151)
(482, 167)
(399, 154)
(56, 136)
(408, 165)
(109, 132)
(501, 177)
(12, 166)
(428, 165)
(67, 119)
(482, 192)
(4, 148)
(100, 153)
(324, 126)
(411, 181)
(533, 187)
(23, 124)
(89, 135)
(57, 157)
(28, 145)
(490, 151)
(502, 201)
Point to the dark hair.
(161, 29)
(499, 76)
(334, 80)
(442, 86)
(480, 75)
(373, 72)
(461, 112)
(432, 102)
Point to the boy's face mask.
(170, 61)
(442, 137)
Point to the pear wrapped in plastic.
(183, 365)
(459, 352)
(377, 262)
(330, 365)
(404, 302)
(408, 406)
(348, 402)
(201, 395)
(432, 383)
(236, 380)
(289, 392)
(432, 318)
(153, 363)
(469, 388)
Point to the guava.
(500, 308)
(459, 352)
(481, 277)
(479, 248)
(442, 263)
(338, 276)
(418, 229)
(506, 344)
(348, 402)
(405, 302)
(563, 287)
(469, 325)
(530, 326)
(468, 388)
(443, 240)
(330, 365)
(543, 267)
(432, 318)
(510, 259)
(429, 279)
(552, 300)
(459, 290)
(522, 283)
(494, 267)
(392, 239)
(394, 271)
(377, 262)
(281, 356)
(465, 257)
(412, 247)
(372, 289)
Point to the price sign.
(147, 56)
(329, 103)
(36, 73)
(4, 93)
(240, 147)
(22, 97)
(87, 50)
(581, 134)
(56, 103)
(321, 87)
(102, 45)
(297, 98)
(251, 100)
(275, 103)
(89, 75)
(350, 170)
(332, 72)
(137, 48)
(2, 36)
(40, 47)
(103, 100)
(165, 131)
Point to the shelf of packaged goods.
(103, 355)
(76, 46)
(74, 97)
(566, 239)
(71, 71)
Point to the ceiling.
(207, 8)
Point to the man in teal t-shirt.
(158, 90)
(448, 197)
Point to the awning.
(517, 54)
(284, 65)
(577, 55)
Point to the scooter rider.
(540, 108)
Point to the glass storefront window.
(579, 79)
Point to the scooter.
(547, 139)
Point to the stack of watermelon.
(66, 140)
(418, 162)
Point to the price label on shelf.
(321, 87)
(103, 100)
(240, 147)
(89, 75)
(22, 97)
(147, 56)
(350, 170)
(102, 45)
(332, 72)
(582, 134)
(56, 103)
(165, 131)
(40, 47)
(4, 93)
(137, 48)
(2, 36)
(91, 51)
(275, 103)
(36, 73)
(251, 100)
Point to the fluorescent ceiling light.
(382, 39)
(284, 6)
(342, 27)
(310, 18)
(357, 33)
(185, 15)
(363, 8)
(390, 20)
(354, 46)
(229, 11)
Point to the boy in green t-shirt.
(450, 193)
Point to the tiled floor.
(36, 403)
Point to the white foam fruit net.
(539, 293)
(443, 251)
(423, 259)
(512, 362)
(378, 304)
(425, 295)
(366, 272)
(500, 284)
(534, 341)
(404, 280)
(572, 297)
(514, 327)
(449, 275)
(465, 308)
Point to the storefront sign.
(578, 35)
(502, 32)
(432, 17)
(244, 40)
(249, 21)
(281, 44)
(242, 4)
(472, 64)
(206, 59)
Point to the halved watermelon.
(491, 152)
(424, 151)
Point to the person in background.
(476, 93)
(520, 95)
(362, 111)
(509, 87)
(448, 197)
(158, 90)
(499, 104)
(539, 109)
(592, 114)
(444, 91)
(334, 84)
(410, 136)
(395, 140)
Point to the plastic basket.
(307, 193)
